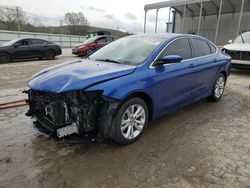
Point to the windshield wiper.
(109, 60)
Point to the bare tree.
(12, 17)
(77, 23)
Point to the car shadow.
(28, 60)
(240, 71)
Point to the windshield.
(90, 40)
(242, 38)
(128, 50)
(10, 43)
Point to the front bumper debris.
(65, 113)
(68, 130)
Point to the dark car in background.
(92, 44)
(28, 49)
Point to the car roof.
(31, 39)
(168, 36)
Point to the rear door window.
(101, 40)
(38, 42)
(201, 48)
(179, 47)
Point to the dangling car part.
(127, 83)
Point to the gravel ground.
(203, 145)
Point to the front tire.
(130, 121)
(218, 88)
(4, 58)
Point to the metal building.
(217, 20)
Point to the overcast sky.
(127, 14)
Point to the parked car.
(28, 49)
(127, 83)
(239, 50)
(92, 44)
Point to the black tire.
(217, 96)
(49, 55)
(116, 132)
(4, 58)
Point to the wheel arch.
(224, 74)
(50, 49)
(6, 52)
(146, 98)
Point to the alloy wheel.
(133, 121)
(219, 87)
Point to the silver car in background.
(239, 50)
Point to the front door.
(175, 81)
(22, 49)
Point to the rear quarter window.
(110, 39)
(213, 48)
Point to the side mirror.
(169, 59)
(230, 41)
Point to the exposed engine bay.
(238, 55)
(66, 113)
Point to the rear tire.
(49, 55)
(218, 88)
(4, 58)
(130, 121)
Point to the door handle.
(192, 65)
(215, 60)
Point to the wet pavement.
(203, 145)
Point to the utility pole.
(61, 27)
(18, 24)
(61, 31)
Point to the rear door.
(205, 66)
(38, 47)
(176, 81)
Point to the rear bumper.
(59, 51)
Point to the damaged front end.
(66, 113)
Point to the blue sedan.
(126, 84)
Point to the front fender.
(142, 81)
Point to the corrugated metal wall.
(227, 29)
(65, 41)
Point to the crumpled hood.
(238, 47)
(77, 75)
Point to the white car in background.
(239, 50)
